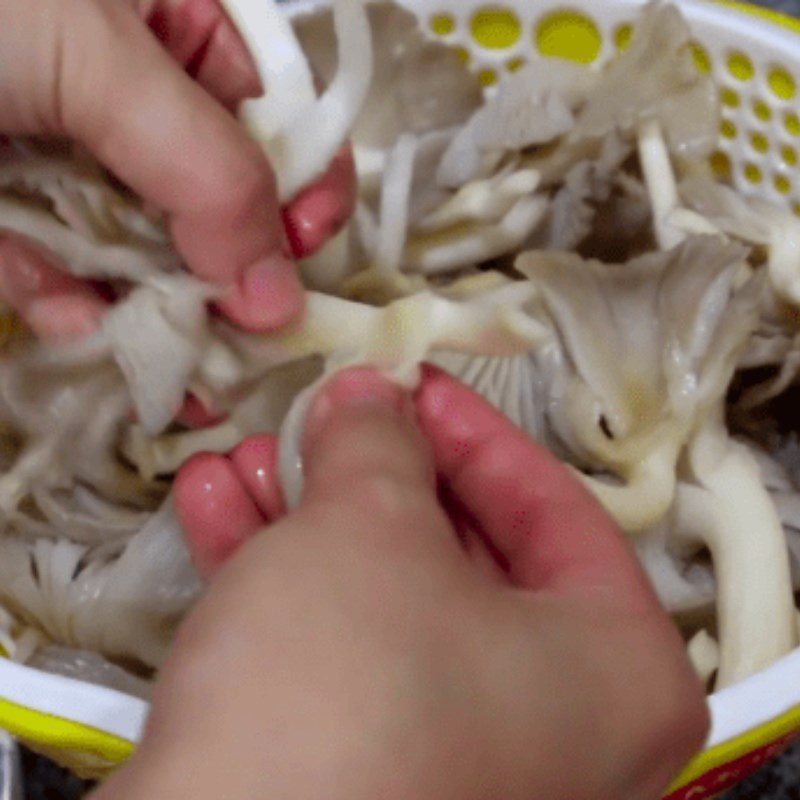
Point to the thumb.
(365, 457)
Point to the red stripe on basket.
(721, 778)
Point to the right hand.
(159, 117)
(494, 639)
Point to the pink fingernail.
(21, 275)
(195, 414)
(360, 387)
(311, 220)
(269, 295)
(214, 509)
(320, 211)
(255, 460)
(62, 319)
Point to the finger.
(366, 463)
(551, 531)
(195, 414)
(55, 305)
(486, 560)
(183, 26)
(256, 463)
(200, 37)
(114, 89)
(224, 68)
(267, 295)
(356, 428)
(214, 509)
(318, 213)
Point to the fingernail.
(195, 414)
(63, 319)
(299, 230)
(319, 212)
(312, 220)
(214, 509)
(20, 279)
(269, 295)
(355, 388)
(255, 461)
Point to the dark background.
(779, 781)
(787, 6)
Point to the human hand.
(358, 649)
(159, 118)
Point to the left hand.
(158, 114)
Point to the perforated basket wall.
(754, 56)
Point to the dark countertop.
(787, 6)
(777, 781)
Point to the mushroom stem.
(703, 652)
(734, 516)
(660, 181)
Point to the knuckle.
(677, 716)
(83, 33)
(256, 180)
(243, 185)
(375, 447)
(680, 709)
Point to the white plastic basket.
(754, 56)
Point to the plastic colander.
(754, 57)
